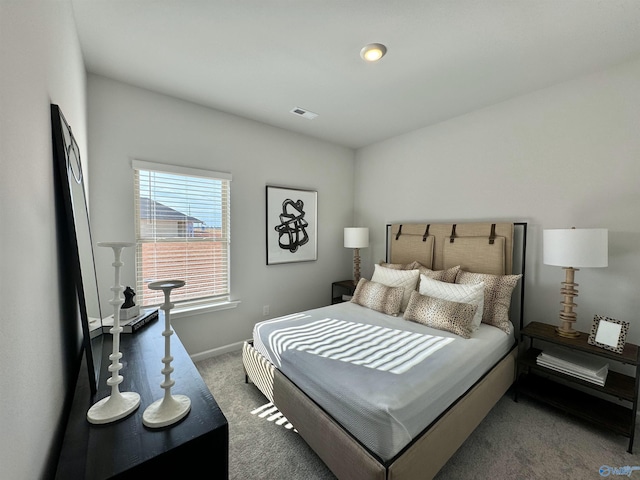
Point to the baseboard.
(214, 352)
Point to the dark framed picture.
(608, 333)
(291, 225)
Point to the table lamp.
(356, 238)
(571, 248)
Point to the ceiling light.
(373, 52)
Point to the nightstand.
(542, 384)
(338, 289)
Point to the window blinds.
(182, 232)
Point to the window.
(182, 232)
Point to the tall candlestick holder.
(170, 408)
(119, 404)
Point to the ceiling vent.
(301, 112)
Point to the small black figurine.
(128, 298)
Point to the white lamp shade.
(356, 237)
(576, 247)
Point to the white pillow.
(407, 279)
(470, 293)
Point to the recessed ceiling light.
(373, 52)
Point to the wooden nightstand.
(338, 289)
(541, 383)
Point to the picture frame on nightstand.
(608, 333)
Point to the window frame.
(194, 305)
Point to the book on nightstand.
(583, 366)
(133, 324)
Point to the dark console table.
(128, 449)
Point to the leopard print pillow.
(497, 296)
(448, 275)
(378, 297)
(407, 279)
(442, 314)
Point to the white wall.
(41, 64)
(560, 157)
(127, 122)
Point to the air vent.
(301, 112)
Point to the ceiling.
(261, 58)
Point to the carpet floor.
(523, 440)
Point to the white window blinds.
(182, 232)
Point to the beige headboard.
(476, 247)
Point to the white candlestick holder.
(119, 404)
(170, 408)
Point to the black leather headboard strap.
(492, 236)
(399, 232)
(426, 233)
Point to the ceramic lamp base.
(166, 411)
(114, 407)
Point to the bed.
(390, 384)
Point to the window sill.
(197, 309)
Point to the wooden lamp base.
(567, 315)
(356, 266)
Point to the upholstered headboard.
(476, 247)
(485, 247)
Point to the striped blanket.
(371, 346)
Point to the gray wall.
(127, 122)
(41, 64)
(560, 157)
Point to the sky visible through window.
(197, 197)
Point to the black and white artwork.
(291, 225)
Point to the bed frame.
(437, 246)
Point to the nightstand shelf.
(338, 289)
(596, 410)
(617, 384)
(543, 384)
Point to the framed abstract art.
(291, 227)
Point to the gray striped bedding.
(383, 378)
(372, 346)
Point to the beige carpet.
(523, 440)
